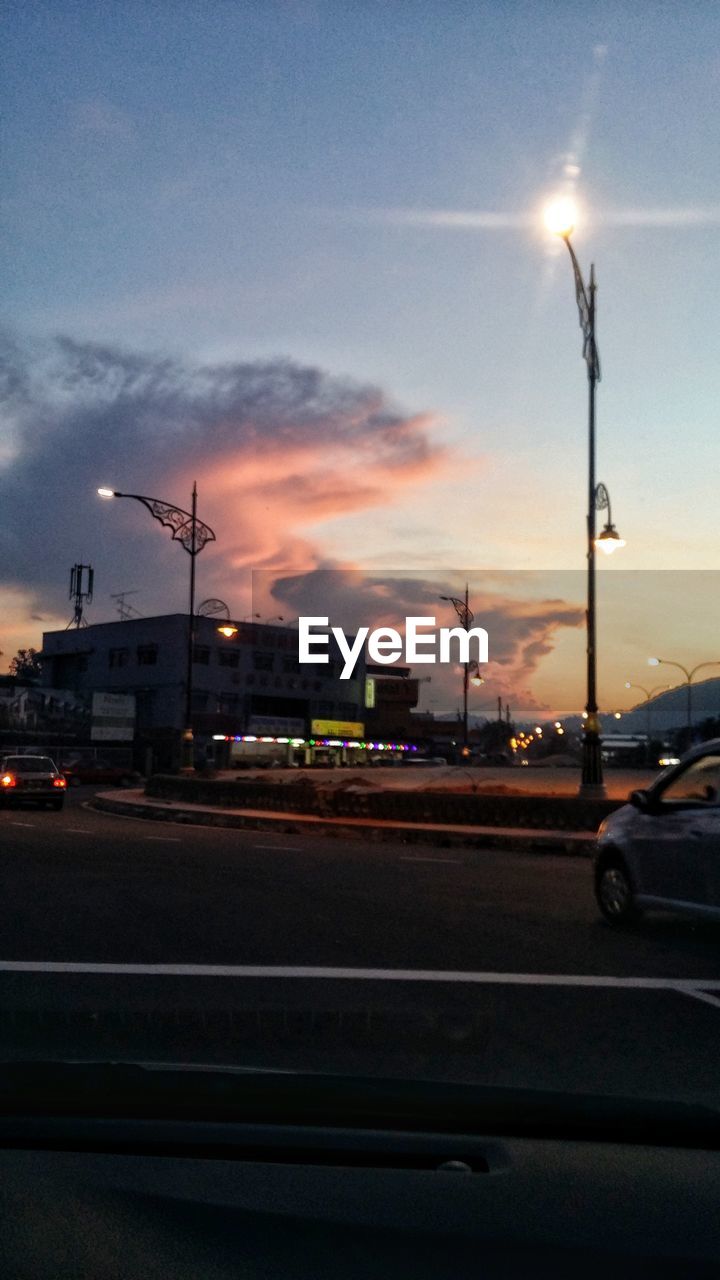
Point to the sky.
(295, 251)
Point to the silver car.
(662, 850)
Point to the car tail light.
(59, 782)
(7, 780)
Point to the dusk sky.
(295, 251)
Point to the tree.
(26, 665)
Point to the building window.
(262, 661)
(228, 657)
(201, 654)
(147, 655)
(118, 657)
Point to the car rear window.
(30, 764)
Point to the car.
(31, 778)
(79, 771)
(661, 851)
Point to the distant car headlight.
(664, 761)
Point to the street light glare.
(561, 216)
(609, 540)
(106, 493)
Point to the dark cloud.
(273, 444)
(521, 631)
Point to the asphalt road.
(522, 982)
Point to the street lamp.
(465, 614)
(560, 218)
(192, 534)
(649, 695)
(668, 662)
(609, 540)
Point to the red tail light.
(7, 780)
(59, 782)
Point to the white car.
(662, 850)
(31, 778)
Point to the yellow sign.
(337, 728)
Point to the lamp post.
(649, 694)
(192, 534)
(668, 662)
(560, 219)
(465, 614)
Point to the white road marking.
(23, 824)
(702, 995)
(296, 847)
(448, 861)
(698, 988)
(80, 831)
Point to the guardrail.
(533, 812)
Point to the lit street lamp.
(668, 662)
(560, 219)
(193, 535)
(465, 614)
(609, 540)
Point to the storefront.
(331, 744)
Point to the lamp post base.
(592, 786)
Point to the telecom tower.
(81, 591)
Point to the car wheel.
(615, 894)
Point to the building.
(390, 698)
(249, 686)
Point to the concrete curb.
(515, 839)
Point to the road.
(522, 983)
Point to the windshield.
(358, 506)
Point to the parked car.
(662, 850)
(99, 771)
(31, 778)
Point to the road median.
(138, 804)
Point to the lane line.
(166, 839)
(79, 831)
(447, 861)
(295, 848)
(705, 996)
(699, 988)
(22, 824)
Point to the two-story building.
(248, 685)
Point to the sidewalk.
(135, 804)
